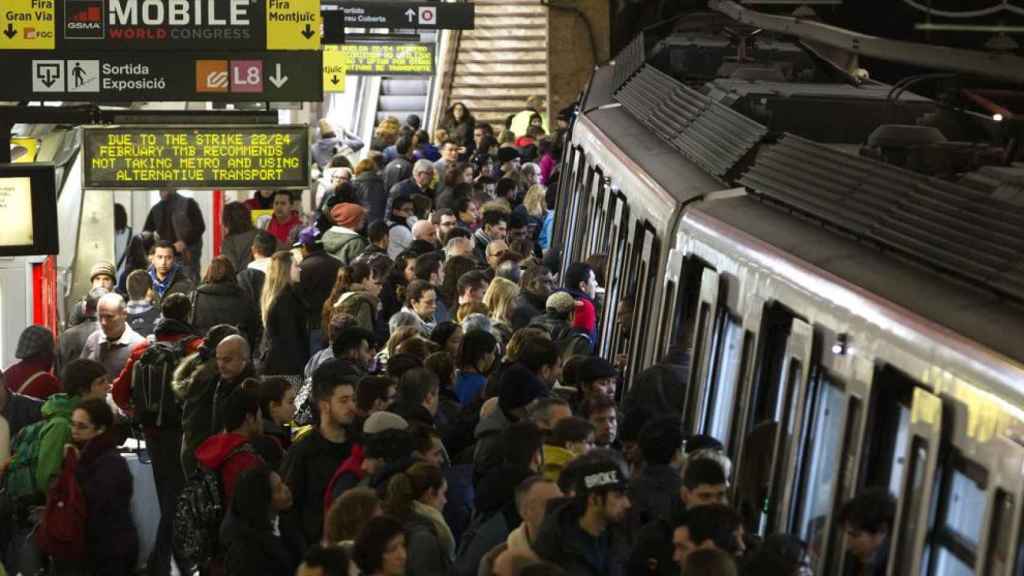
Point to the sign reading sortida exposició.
(207, 157)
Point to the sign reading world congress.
(207, 157)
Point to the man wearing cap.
(556, 320)
(317, 274)
(31, 374)
(112, 343)
(101, 276)
(284, 219)
(586, 535)
(386, 440)
(343, 240)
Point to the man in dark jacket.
(868, 521)
(537, 284)
(418, 183)
(655, 493)
(311, 462)
(163, 442)
(179, 221)
(494, 226)
(18, 410)
(585, 536)
(318, 272)
(167, 275)
(372, 194)
(401, 167)
(251, 279)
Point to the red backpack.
(61, 532)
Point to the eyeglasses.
(81, 425)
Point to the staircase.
(502, 61)
(401, 96)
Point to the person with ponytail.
(357, 293)
(285, 347)
(416, 497)
(249, 537)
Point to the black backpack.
(199, 512)
(152, 374)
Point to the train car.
(849, 323)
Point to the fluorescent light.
(997, 117)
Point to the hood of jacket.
(334, 239)
(60, 405)
(220, 289)
(495, 422)
(215, 450)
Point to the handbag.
(61, 531)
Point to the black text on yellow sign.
(27, 25)
(386, 59)
(334, 69)
(293, 24)
(203, 158)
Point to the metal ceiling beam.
(972, 62)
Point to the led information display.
(204, 157)
(28, 209)
(385, 59)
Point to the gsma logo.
(212, 76)
(83, 19)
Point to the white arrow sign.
(277, 79)
(411, 15)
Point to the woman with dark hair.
(416, 498)
(458, 121)
(380, 548)
(219, 300)
(106, 484)
(476, 359)
(357, 293)
(248, 536)
(238, 234)
(392, 295)
(136, 258)
(284, 349)
(448, 335)
(277, 406)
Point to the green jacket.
(344, 244)
(57, 414)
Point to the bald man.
(111, 344)
(232, 357)
(532, 497)
(425, 230)
(459, 247)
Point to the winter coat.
(176, 282)
(525, 307)
(654, 494)
(215, 453)
(238, 248)
(106, 483)
(460, 132)
(251, 551)
(55, 434)
(561, 541)
(372, 194)
(225, 303)
(202, 392)
(653, 550)
(488, 452)
(496, 516)
(45, 384)
(177, 218)
(344, 244)
(427, 555)
(397, 170)
(318, 273)
(72, 341)
(285, 347)
(308, 467)
(251, 281)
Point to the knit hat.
(347, 215)
(326, 130)
(101, 269)
(381, 421)
(519, 387)
(600, 475)
(34, 341)
(562, 302)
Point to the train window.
(686, 303)
(960, 512)
(888, 429)
(724, 379)
(999, 544)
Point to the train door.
(770, 452)
(612, 334)
(643, 283)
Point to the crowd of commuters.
(401, 380)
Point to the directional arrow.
(308, 32)
(411, 15)
(10, 32)
(277, 79)
(334, 80)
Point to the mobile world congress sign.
(160, 25)
(149, 157)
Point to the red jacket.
(353, 464)
(281, 230)
(213, 454)
(122, 389)
(42, 386)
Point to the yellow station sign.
(293, 24)
(27, 25)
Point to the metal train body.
(823, 363)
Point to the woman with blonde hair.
(284, 350)
(499, 299)
(416, 498)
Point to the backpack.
(20, 479)
(199, 512)
(61, 531)
(152, 374)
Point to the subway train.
(850, 323)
